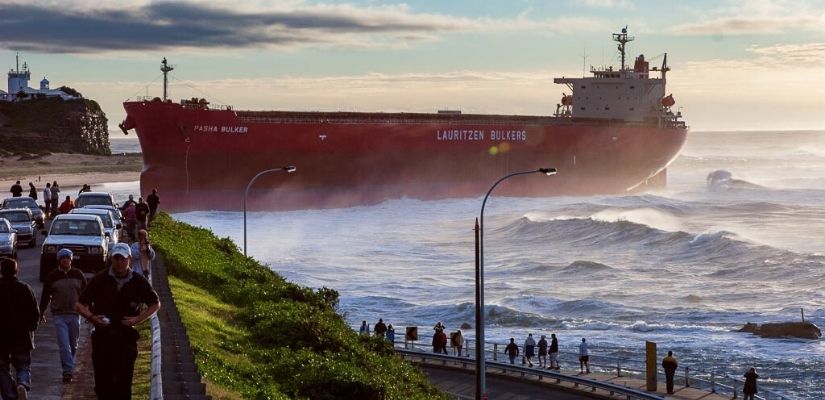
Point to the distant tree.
(70, 91)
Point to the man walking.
(61, 289)
(512, 350)
(112, 302)
(55, 198)
(47, 199)
(584, 357)
(554, 353)
(153, 200)
(669, 364)
(16, 190)
(18, 313)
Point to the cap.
(121, 249)
(64, 253)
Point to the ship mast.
(165, 68)
(622, 38)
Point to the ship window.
(581, 108)
(633, 87)
(583, 87)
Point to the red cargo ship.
(615, 133)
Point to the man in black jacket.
(19, 316)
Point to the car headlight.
(50, 249)
(95, 250)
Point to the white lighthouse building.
(19, 86)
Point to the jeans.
(67, 327)
(22, 367)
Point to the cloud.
(87, 28)
(754, 17)
(607, 3)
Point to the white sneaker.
(22, 393)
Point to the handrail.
(593, 384)
(157, 378)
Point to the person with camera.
(113, 301)
(142, 254)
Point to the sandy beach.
(69, 169)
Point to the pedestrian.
(55, 197)
(142, 210)
(750, 390)
(127, 203)
(32, 191)
(584, 357)
(131, 219)
(67, 205)
(380, 328)
(153, 200)
(47, 199)
(554, 352)
(457, 341)
(16, 190)
(442, 341)
(669, 364)
(18, 311)
(542, 352)
(529, 349)
(61, 289)
(512, 351)
(112, 302)
(142, 254)
(84, 189)
(391, 334)
(365, 329)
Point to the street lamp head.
(548, 171)
(290, 169)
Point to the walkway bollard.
(619, 368)
(495, 351)
(735, 390)
(687, 376)
(712, 383)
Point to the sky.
(735, 65)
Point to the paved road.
(47, 375)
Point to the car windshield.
(84, 201)
(15, 216)
(76, 227)
(107, 221)
(20, 202)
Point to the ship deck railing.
(623, 363)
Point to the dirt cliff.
(52, 125)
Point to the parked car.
(25, 202)
(8, 239)
(83, 235)
(23, 223)
(116, 213)
(94, 199)
(111, 226)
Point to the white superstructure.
(19, 86)
(627, 94)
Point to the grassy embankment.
(257, 336)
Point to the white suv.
(83, 235)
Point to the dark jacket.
(750, 383)
(62, 290)
(670, 365)
(554, 346)
(19, 316)
(511, 350)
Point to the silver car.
(111, 226)
(8, 239)
(23, 223)
(25, 202)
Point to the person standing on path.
(457, 341)
(61, 289)
(142, 212)
(391, 334)
(55, 197)
(19, 316)
(32, 191)
(512, 351)
(67, 205)
(554, 352)
(669, 364)
(365, 329)
(16, 190)
(47, 199)
(142, 254)
(584, 357)
(529, 349)
(380, 328)
(130, 215)
(112, 302)
(542, 352)
(750, 390)
(153, 200)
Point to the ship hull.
(201, 159)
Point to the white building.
(19, 82)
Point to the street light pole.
(481, 368)
(289, 169)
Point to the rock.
(466, 326)
(802, 330)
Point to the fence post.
(619, 368)
(735, 389)
(712, 382)
(687, 376)
(495, 351)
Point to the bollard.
(619, 368)
(495, 351)
(712, 383)
(687, 376)
(735, 390)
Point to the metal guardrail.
(710, 380)
(541, 374)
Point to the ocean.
(683, 267)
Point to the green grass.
(141, 380)
(256, 336)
